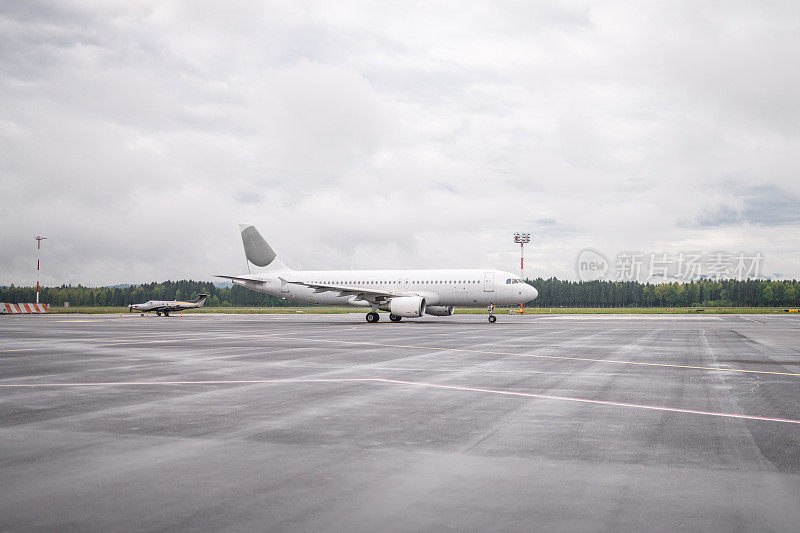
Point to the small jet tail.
(201, 300)
(260, 256)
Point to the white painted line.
(537, 356)
(412, 383)
(597, 402)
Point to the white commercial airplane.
(404, 293)
(166, 307)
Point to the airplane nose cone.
(533, 292)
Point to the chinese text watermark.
(663, 267)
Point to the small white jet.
(167, 307)
(403, 293)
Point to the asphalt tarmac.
(326, 423)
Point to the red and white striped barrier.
(13, 309)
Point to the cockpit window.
(508, 281)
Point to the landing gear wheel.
(395, 318)
(158, 313)
(166, 314)
(492, 319)
(373, 317)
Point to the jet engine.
(407, 306)
(439, 310)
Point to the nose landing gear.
(492, 318)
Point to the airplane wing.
(178, 306)
(157, 308)
(365, 294)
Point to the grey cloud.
(550, 229)
(378, 135)
(767, 205)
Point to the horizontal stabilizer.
(239, 278)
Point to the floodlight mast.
(39, 240)
(522, 239)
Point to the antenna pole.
(522, 238)
(39, 240)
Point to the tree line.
(552, 293)
(78, 295)
(703, 293)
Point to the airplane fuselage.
(458, 287)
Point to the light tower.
(522, 239)
(39, 240)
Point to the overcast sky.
(135, 136)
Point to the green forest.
(704, 293)
(552, 293)
(78, 295)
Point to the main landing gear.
(492, 318)
(374, 317)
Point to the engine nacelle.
(439, 310)
(407, 306)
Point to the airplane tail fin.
(201, 300)
(259, 254)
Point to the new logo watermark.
(661, 267)
(591, 265)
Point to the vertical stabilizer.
(260, 255)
